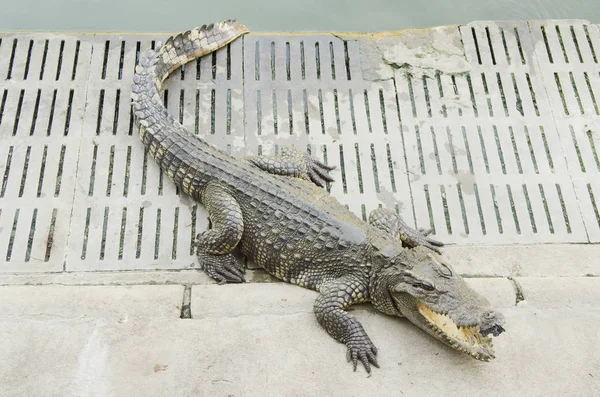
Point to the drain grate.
(507, 153)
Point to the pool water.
(279, 15)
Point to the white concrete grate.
(506, 153)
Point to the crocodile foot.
(361, 348)
(317, 171)
(223, 268)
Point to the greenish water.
(279, 15)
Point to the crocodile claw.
(362, 349)
(223, 268)
(318, 172)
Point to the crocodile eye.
(445, 270)
(423, 286)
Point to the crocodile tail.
(155, 66)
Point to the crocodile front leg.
(214, 246)
(391, 223)
(296, 164)
(329, 309)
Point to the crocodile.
(275, 211)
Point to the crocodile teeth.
(466, 339)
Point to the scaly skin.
(273, 209)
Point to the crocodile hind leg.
(390, 222)
(294, 163)
(329, 308)
(214, 246)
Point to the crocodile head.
(417, 285)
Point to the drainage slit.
(13, 232)
(343, 169)
(581, 164)
(104, 230)
(429, 209)
(212, 111)
(325, 160)
(368, 111)
(259, 112)
(479, 209)
(576, 92)
(382, 107)
(487, 94)
(193, 229)
(111, 164)
(12, 59)
(441, 91)
(2, 105)
(288, 69)
(466, 141)
(502, 94)
(516, 151)
(547, 45)
(574, 37)
(44, 56)
(508, 60)
(59, 172)
(228, 125)
(420, 149)
(589, 40)
(560, 91)
(523, 61)
(562, 44)
(451, 149)
(157, 235)
(198, 72)
(50, 239)
(514, 210)
(374, 164)
(275, 119)
(446, 211)
(122, 233)
(116, 114)
(228, 62)
(548, 156)
(531, 152)
(594, 206)
(564, 208)
(138, 244)
(533, 98)
(391, 167)
(358, 169)
(332, 55)
(436, 151)
(462, 208)
(352, 116)
(60, 59)
(181, 105)
(426, 90)
(100, 110)
(545, 202)
(519, 102)
(290, 112)
(593, 147)
(93, 171)
(321, 111)
(25, 167)
(347, 60)
(69, 110)
(144, 173)
(76, 59)
(318, 60)
(186, 310)
(214, 66)
(591, 91)
(476, 45)
(18, 113)
(496, 209)
(302, 61)
(489, 39)
(105, 62)
(175, 230)
(86, 232)
(499, 147)
(27, 62)
(412, 95)
(272, 60)
(472, 93)
(337, 110)
(529, 209)
(6, 171)
(197, 113)
(42, 171)
(483, 151)
(127, 168)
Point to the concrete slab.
(55, 301)
(561, 292)
(543, 352)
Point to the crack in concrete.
(186, 305)
(519, 296)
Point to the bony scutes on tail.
(272, 209)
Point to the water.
(278, 15)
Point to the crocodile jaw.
(465, 339)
